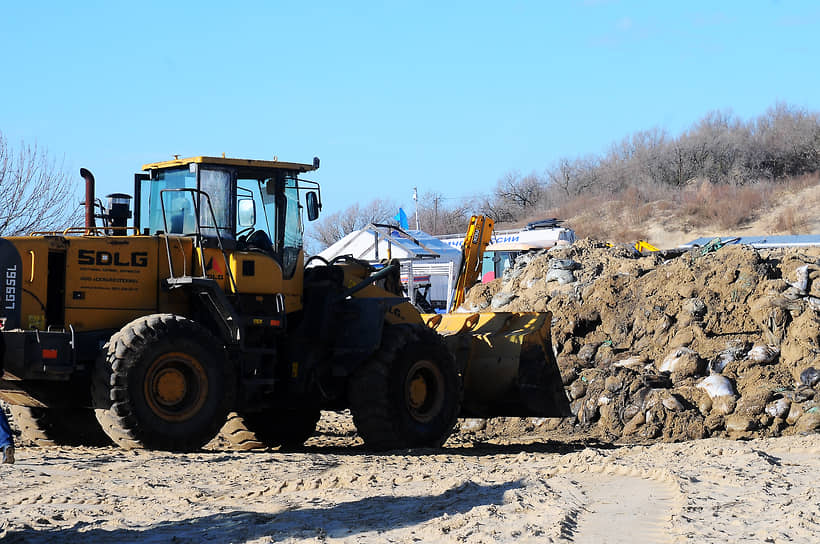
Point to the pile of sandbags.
(723, 342)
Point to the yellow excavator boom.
(476, 240)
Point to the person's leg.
(6, 439)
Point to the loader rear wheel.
(286, 427)
(58, 426)
(409, 393)
(163, 382)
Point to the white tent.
(425, 260)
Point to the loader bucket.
(506, 361)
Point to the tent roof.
(413, 244)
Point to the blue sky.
(445, 96)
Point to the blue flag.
(401, 217)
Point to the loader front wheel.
(162, 382)
(409, 393)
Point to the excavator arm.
(476, 240)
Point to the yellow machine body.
(110, 281)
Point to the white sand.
(705, 491)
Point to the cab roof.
(243, 164)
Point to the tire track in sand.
(617, 506)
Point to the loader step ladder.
(205, 288)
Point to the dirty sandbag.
(564, 264)
(672, 402)
(763, 353)
(804, 393)
(716, 386)
(634, 362)
(578, 389)
(589, 411)
(524, 259)
(656, 381)
(801, 286)
(779, 408)
(502, 299)
(562, 276)
(695, 307)
(588, 351)
(472, 425)
(810, 376)
(735, 351)
(682, 360)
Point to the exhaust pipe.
(90, 223)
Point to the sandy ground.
(514, 490)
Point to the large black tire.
(163, 382)
(58, 426)
(286, 427)
(408, 394)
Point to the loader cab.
(238, 204)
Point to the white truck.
(506, 245)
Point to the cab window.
(217, 184)
(282, 219)
(292, 231)
(181, 207)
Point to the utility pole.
(435, 214)
(416, 200)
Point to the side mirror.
(313, 206)
(246, 213)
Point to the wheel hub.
(424, 391)
(418, 392)
(170, 386)
(176, 386)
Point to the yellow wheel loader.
(153, 333)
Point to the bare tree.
(332, 228)
(785, 141)
(574, 177)
(439, 215)
(36, 194)
(496, 209)
(522, 192)
(515, 197)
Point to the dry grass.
(700, 207)
(791, 220)
(726, 206)
(802, 182)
